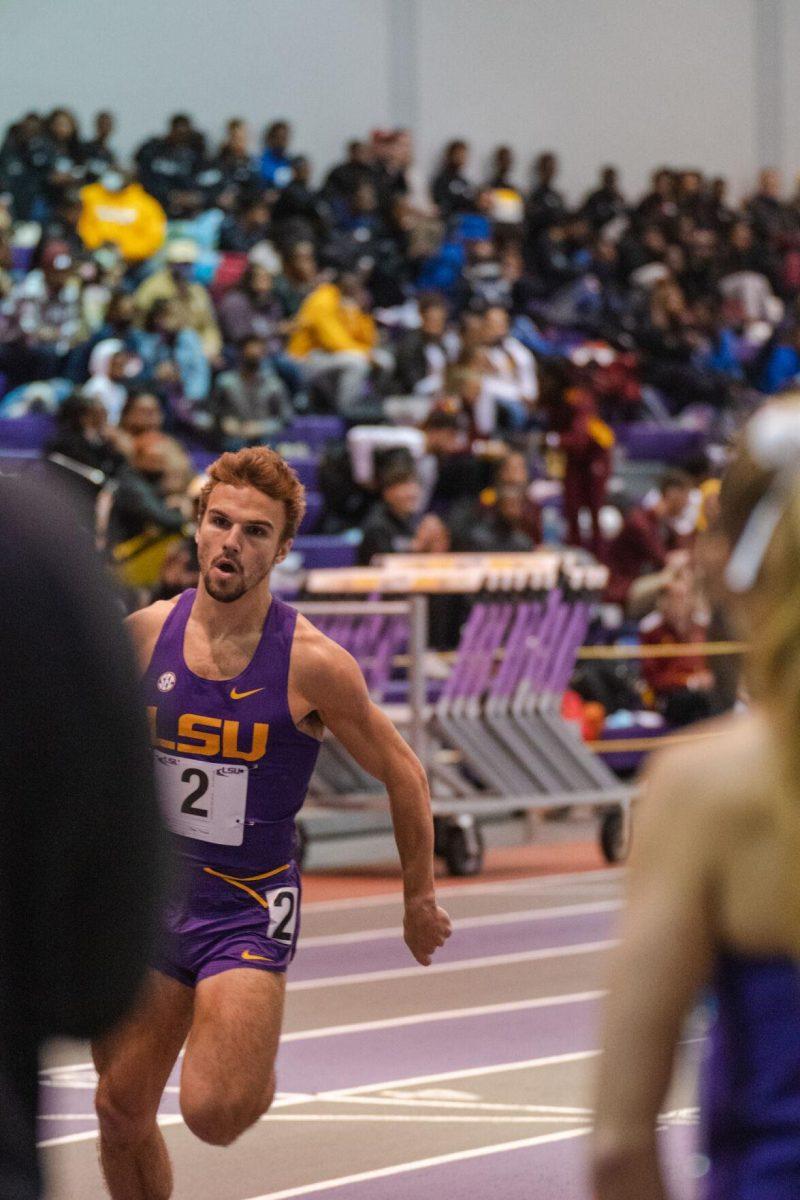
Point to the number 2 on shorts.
(282, 913)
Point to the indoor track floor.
(402, 1082)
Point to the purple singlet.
(751, 1084)
(232, 770)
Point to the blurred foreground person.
(80, 854)
(715, 880)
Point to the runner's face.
(239, 540)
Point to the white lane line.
(362, 1089)
(290, 1100)
(424, 1119)
(449, 1014)
(486, 919)
(303, 1035)
(441, 968)
(417, 1100)
(532, 883)
(421, 1163)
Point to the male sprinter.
(238, 689)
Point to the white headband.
(773, 440)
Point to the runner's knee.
(219, 1118)
(125, 1120)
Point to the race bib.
(202, 800)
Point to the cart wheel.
(612, 836)
(463, 847)
(300, 844)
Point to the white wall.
(631, 82)
(320, 62)
(634, 82)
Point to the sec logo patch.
(166, 682)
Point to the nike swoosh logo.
(250, 957)
(241, 695)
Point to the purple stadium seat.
(22, 259)
(314, 505)
(315, 431)
(26, 433)
(646, 441)
(307, 471)
(321, 551)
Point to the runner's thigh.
(137, 1057)
(235, 1033)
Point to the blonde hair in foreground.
(772, 605)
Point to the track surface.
(400, 1082)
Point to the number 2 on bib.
(283, 905)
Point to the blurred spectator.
(334, 335)
(395, 525)
(98, 155)
(25, 159)
(501, 528)
(236, 175)
(141, 413)
(298, 278)
(111, 367)
(119, 324)
(450, 188)
(40, 321)
(151, 493)
(66, 154)
(250, 404)
(502, 168)
(606, 202)
(247, 227)
(83, 435)
(300, 213)
(510, 371)
(62, 223)
(191, 301)
(681, 685)
(647, 537)
(180, 570)
(119, 212)
(169, 164)
(586, 442)
(780, 361)
(252, 308)
(545, 204)
(510, 474)
(423, 355)
(174, 363)
(276, 165)
(343, 179)
(769, 215)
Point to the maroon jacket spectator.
(646, 539)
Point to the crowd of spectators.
(487, 342)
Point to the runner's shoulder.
(145, 625)
(319, 663)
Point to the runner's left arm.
(334, 685)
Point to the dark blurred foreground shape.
(81, 858)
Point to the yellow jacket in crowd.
(130, 219)
(326, 322)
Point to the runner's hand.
(426, 927)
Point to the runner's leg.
(134, 1063)
(228, 1076)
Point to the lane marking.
(422, 1163)
(532, 883)
(449, 1014)
(289, 1101)
(425, 1119)
(509, 918)
(441, 968)
(418, 1100)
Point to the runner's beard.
(235, 585)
